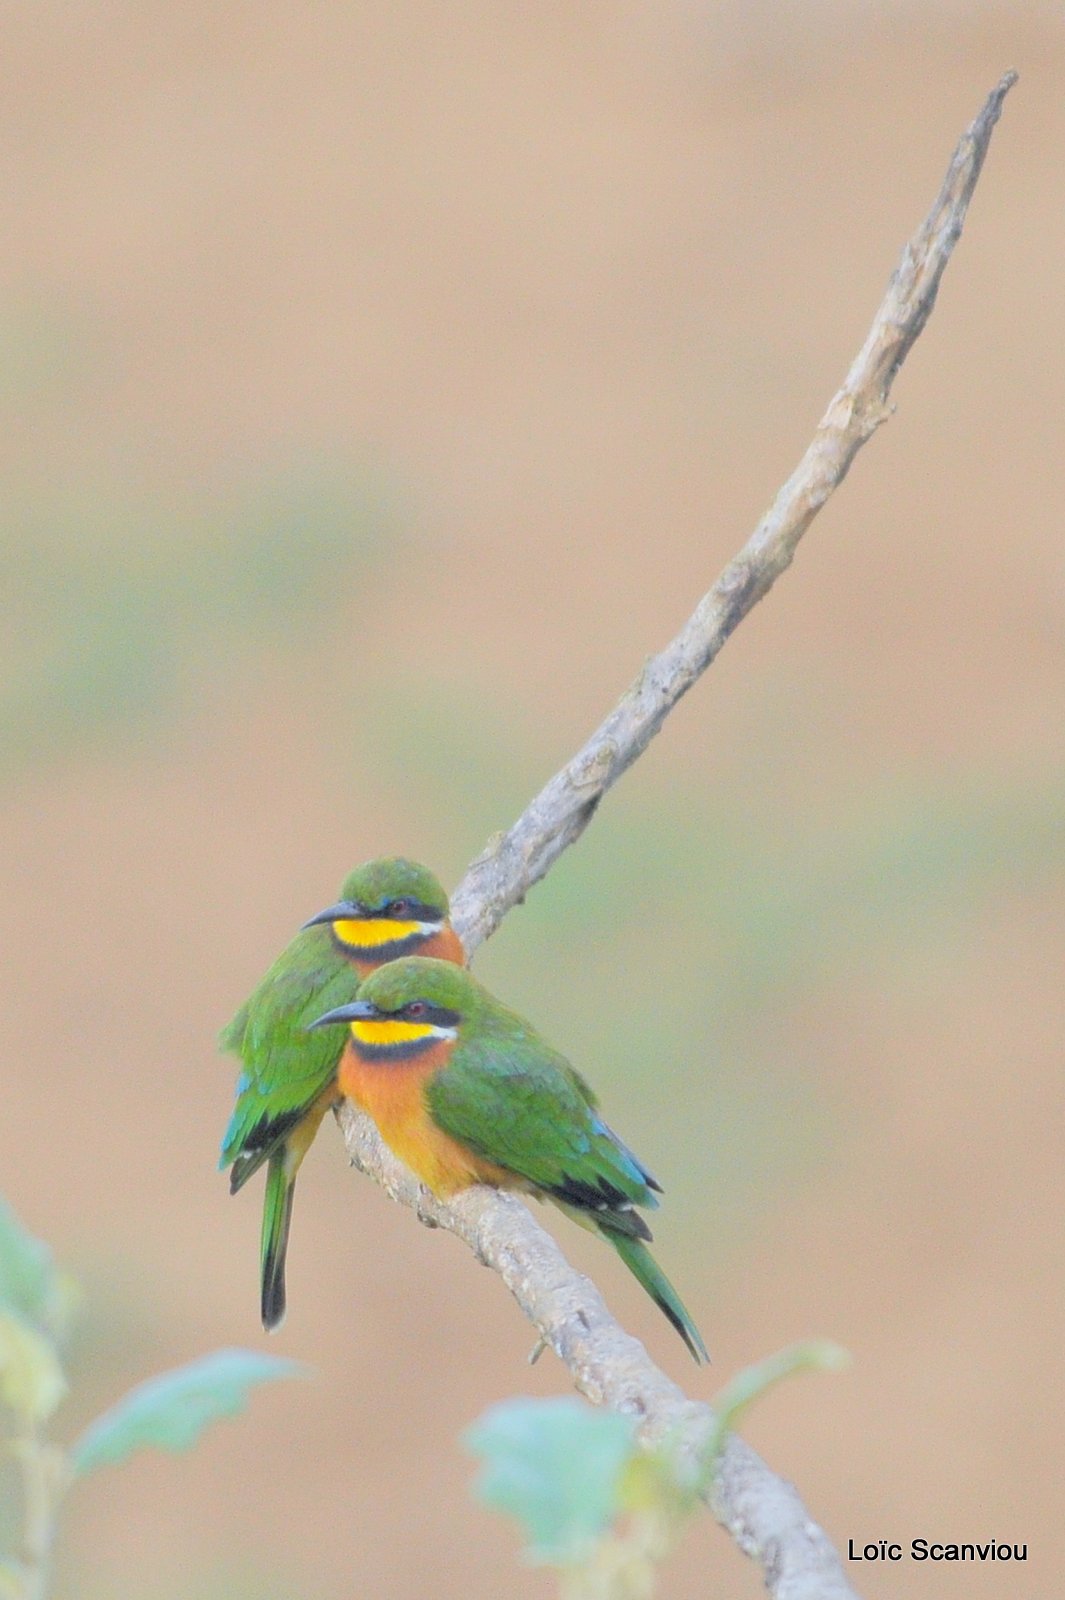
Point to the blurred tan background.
(381, 384)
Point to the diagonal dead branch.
(515, 860)
(762, 1512)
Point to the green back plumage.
(287, 1071)
(511, 1098)
(518, 1103)
(286, 1068)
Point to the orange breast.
(445, 946)
(393, 1094)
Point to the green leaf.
(812, 1355)
(557, 1465)
(28, 1279)
(171, 1411)
(31, 1379)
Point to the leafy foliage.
(171, 1411)
(31, 1316)
(30, 1285)
(557, 1466)
(31, 1378)
(592, 1500)
(812, 1355)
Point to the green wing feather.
(285, 1068)
(519, 1104)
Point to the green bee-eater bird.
(387, 908)
(464, 1091)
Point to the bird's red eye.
(417, 1008)
(399, 908)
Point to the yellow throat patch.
(387, 1030)
(370, 932)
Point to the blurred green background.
(380, 388)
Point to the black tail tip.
(273, 1303)
(700, 1353)
(688, 1332)
(694, 1340)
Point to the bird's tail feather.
(277, 1216)
(649, 1275)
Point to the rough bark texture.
(762, 1512)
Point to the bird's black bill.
(350, 1013)
(343, 911)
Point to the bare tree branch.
(515, 860)
(762, 1512)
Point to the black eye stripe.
(437, 1016)
(414, 911)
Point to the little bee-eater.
(464, 1091)
(387, 908)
